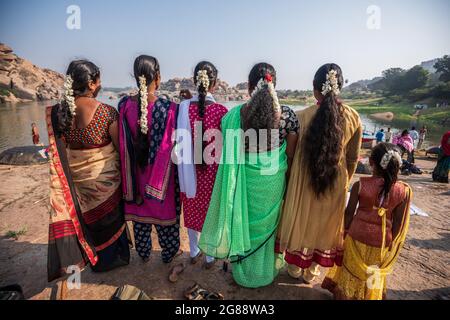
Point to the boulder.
(5, 81)
(5, 49)
(8, 57)
(23, 156)
(25, 93)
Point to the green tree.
(414, 78)
(442, 66)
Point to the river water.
(16, 119)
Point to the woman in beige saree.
(310, 232)
(87, 224)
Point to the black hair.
(413, 128)
(322, 144)
(382, 130)
(82, 72)
(212, 73)
(405, 132)
(148, 67)
(391, 172)
(260, 113)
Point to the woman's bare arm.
(291, 146)
(397, 217)
(114, 133)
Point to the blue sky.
(295, 36)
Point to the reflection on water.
(16, 119)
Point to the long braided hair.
(322, 144)
(148, 67)
(208, 69)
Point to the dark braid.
(148, 67)
(211, 71)
(322, 144)
(391, 172)
(260, 113)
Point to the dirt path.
(421, 272)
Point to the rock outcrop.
(20, 80)
(24, 156)
(223, 91)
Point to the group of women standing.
(259, 201)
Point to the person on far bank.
(422, 133)
(415, 136)
(380, 136)
(406, 144)
(388, 136)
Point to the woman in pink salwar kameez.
(150, 180)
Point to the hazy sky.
(295, 36)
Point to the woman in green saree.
(248, 192)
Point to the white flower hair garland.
(331, 85)
(267, 81)
(387, 157)
(68, 94)
(144, 102)
(202, 79)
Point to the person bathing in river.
(35, 134)
(200, 115)
(376, 233)
(150, 178)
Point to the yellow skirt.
(345, 285)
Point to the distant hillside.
(364, 86)
(172, 87)
(429, 65)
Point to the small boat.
(367, 137)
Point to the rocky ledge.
(20, 80)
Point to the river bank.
(403, 115)
(420, 273)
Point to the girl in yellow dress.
(376, 233)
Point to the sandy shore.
(421, 272)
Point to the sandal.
(195, 292)
(179, 253)
(209, 265)
(189, 293)
(195, 259)
(175, 271)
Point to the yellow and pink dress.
(367, 258)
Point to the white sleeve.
(186, 167)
